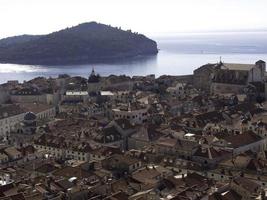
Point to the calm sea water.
(178, 55)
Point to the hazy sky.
(146, 16)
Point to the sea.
(179, 54)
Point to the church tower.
(262, 66)
(93, 82)
(93, 72)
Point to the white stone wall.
(76, 155)
(135, 166)
(46, 114)
(9, 124)
(135, 116)
(64, 153)
(44, 98)
(255, 75)
(4, 95)
(56, 152)
(28, 98)
(217, 88)
(177, 91)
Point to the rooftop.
(237, 66)
(10, 110)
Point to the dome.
(30, 116)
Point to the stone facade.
(233, 78)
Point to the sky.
(151, 17)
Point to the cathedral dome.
(30, 116)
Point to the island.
(85, 43)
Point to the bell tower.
(262, 66)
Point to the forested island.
(86, 43)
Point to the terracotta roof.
(46, 168)
(256, 164)
(228, 195)
(144, 175)
(4, 188)
(195, 179)
(10, 110)
(64, 184)
(35, 107)
(18, 196)
(51, 140)
(242, 107)
(146, 134)
(214, 117)
(242, 139)
(211, 153)
(118, 196)
(69, 172)
(236, 66)
(247, 184)
(124, 159)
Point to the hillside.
(17, 40)
(85, 43)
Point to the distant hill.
(85, 43)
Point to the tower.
(93, 82)
(262, 66)
(93, 72)
(93, 78)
